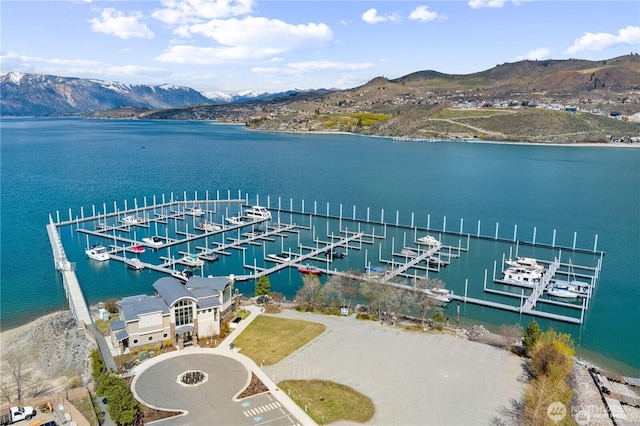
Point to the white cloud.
(422, 13)
(536, 54)
(181, 12)
(600, 41)
(249, 38)
(116, 23)
(477, 4)
(371, 17)
(303, 68)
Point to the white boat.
(408, 253)
(258, 212)
(525, 262)
(563, 291)
(131, 220)
(429, 240)
(235, 220)
(183, 275)
(282, 257)
(522, 276)
(192, 260)
(154, 241)
(195, 211)
(98, 253)
(436, 261)
(441, 294)
(134, 263)
(210, 226)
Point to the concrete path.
(413, 379)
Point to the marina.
(318, 242)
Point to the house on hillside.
(176, 314)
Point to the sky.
(235, 46)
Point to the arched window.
(184, 312)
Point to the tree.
(423, 301)
(510, 334)
(374, 291)
(332, 292)
(16, 374)
(263, 286)
(531, 336)
(310, 294)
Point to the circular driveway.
(210, 402)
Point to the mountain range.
(41, 95)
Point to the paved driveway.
(211, 402)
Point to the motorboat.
(257, 213)
(135, 248)
(408, 253)
(522, 276)
(525, 262)
(429, 241)
(436, 261)
(154, 241)
(310, 269)
(134, 263)
(97, 252)
(235, 220)
(440, 294)
(335, 254)
(192, 260)
(210, 226)
(131, 220)
(183, 275)
(376, 271)
(195, 211)
(281, 257)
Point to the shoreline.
(454, 140)
(11, 335)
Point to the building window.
(164, 336)
(150, 338)
(215, 315)
(184, 312)
(135, 341)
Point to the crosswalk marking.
(261, 409)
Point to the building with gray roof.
(176, 314)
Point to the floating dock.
(178, 221)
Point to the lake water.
(51, 165)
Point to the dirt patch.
(256, 387)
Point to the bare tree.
(395, 300)
(310, 294)
(423, 295)
(510, 334)
(15, 367)
(332, 292)
(374, 291)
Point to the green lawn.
(328, 402)
(270, 339)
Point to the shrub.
(531, 336)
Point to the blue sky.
(233, 46)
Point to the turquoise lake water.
(51, 165)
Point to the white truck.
(15, 414)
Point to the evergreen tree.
(263, 286)
(531, 336)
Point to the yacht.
(522, 276)
(154, 241)
(436, 261)
(429, 240)
(525, 262)
(235, 220)
(192, 260)
(131, 220)
(257, 212)
(97, 252)
(210, 226)
(440, 294)
(195, 211)
(408, 253)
